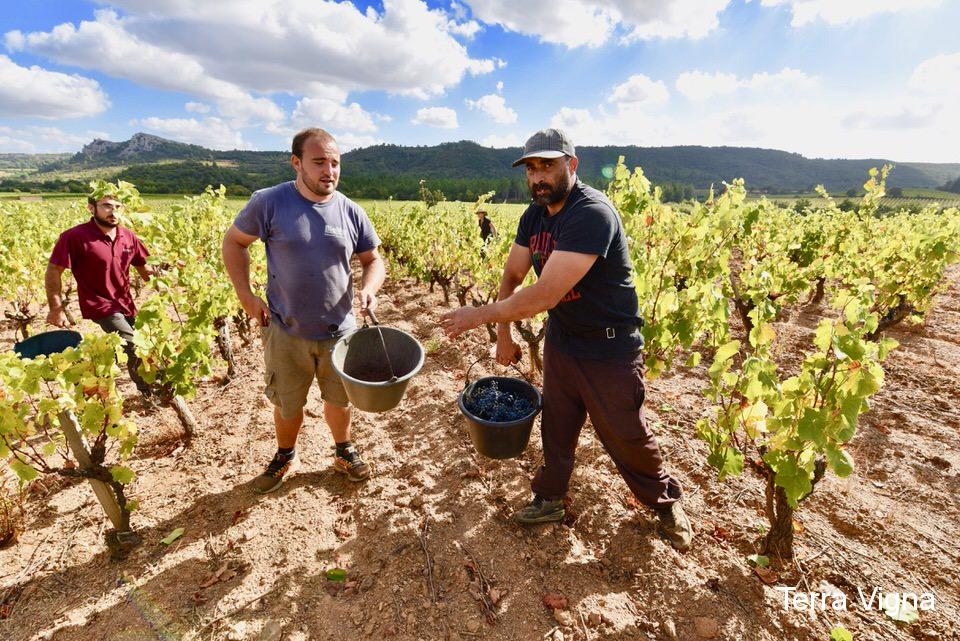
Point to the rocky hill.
(462, 170)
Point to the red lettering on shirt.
(541, 246)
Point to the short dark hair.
(306, 134)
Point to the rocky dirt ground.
(255, 567)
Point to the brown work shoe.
(540, 510)
(675, 526)
(349, 462)
(279, 467)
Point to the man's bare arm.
(560, 274)
(236, 259)
(514, 272)
(564, 270)
(374, 270)
(53, 284)
(145, 271)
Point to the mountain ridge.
(158, 164)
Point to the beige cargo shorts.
(291, 364)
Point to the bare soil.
(255, 567)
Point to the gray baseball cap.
(547, 143)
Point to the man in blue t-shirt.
(592, 363)
(310, 231)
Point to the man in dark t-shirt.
(486, 226)
(592, 363)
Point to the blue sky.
(824, 78)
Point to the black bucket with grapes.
(500, 411)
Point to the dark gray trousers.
(123, 325)
(612, 394)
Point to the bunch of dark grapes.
(492, 404)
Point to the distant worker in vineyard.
(487, 229)
(311, 231)
(592, 357)
(100, 253)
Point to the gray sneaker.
(675, 526)
(272, 477)
(351, 464)
(540, 510)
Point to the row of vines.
(714, 279)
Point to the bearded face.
(105, 212)
(548, 180)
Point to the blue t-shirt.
(309, 246)
(605, 297)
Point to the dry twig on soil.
(237, 609)
(424, 532)
(473, 567)
(583, 622)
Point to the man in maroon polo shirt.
(100, 253)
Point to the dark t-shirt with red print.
(605, 297)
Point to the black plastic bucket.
(374, 381)
(501, 440)
(47, 343)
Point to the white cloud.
(700, 85)
(500, 141)
(571, 119)
(918, 121)
(302, 47)
(36, 140)
(785, 79)
(638, 112)
(579, 23)
(654, 19)
(328, 114)
(480, 67)
(197, 107)
(898, 127)
(640, 89)
(628, 124)
(212, 133)
(106, 45)
(574, 23)
(442, 117)
(500, 87)
(591, 23)
(494, 106)
(838, 127)
(466, 30)
(459, 11)
(887, 116)
(34, 92)
(838, 12)
(280, 129)
(937, 76)
(348, 141)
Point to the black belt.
(604, 332)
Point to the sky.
(823, 78)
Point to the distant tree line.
(952, 186)
(461, 170)
(191, 177)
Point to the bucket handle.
(383, 343)
(487, 357)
